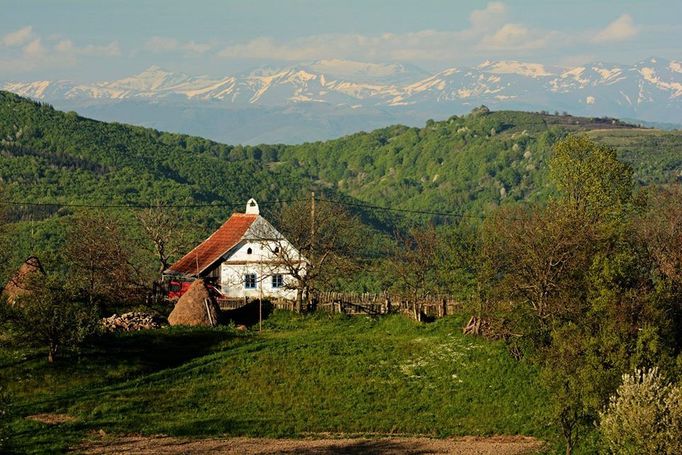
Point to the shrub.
(645, 416)
(51, 315)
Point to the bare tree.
(99, 255)
(538, 257)
(165, 236)
(660, 229)
(316, 247)
(415, 264)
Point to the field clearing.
(301, 376)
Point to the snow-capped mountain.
(349, 93)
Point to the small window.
(276, 250)
(249, 251)
(277, 281)
(250, 281)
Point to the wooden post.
(312, 217)
(260, 298)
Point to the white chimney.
(252, 207)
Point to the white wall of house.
(256, 257)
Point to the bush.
(51, 315)
(645, 416)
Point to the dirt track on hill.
(502, 445)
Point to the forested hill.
(460, 164)
(474, 161)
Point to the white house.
(245, 257)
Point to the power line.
(136, 206)
(361, 205)
(392, 209)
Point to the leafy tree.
(590, 178)
(576, 285)
(52, 315)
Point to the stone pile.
(129, 322)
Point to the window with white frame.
(250, 281)
(277, 281)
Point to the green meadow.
(301, 375)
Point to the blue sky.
(92, 40)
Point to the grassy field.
(301, 375)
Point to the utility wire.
(237, 204)
(136, 206)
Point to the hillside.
(465, 164)
(475, 161)
(302, 376)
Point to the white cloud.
(18, 37)
(420, 45)
(487, 31)
(507, 35)
(621, 29)
(34, 49)
(159, 44)
(517, 37)
(489, 17)
(25, 50)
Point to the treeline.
(588, 286)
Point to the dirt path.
(502, 445)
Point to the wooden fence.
(421, 308)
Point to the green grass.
(301, 375)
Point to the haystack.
(19, 284)
(195, 307)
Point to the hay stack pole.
(195, 308)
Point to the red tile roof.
(211, 249)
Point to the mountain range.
(330, 98)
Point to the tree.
(539, 256)
(573, 284)
(589, 177)
(100, 258)
(4, 236)
(324, 239)
(52, 315)
(415, 264)
(166, 235)
(660, 229)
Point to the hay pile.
(19, 284)
(195, 307)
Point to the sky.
(89, 40)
